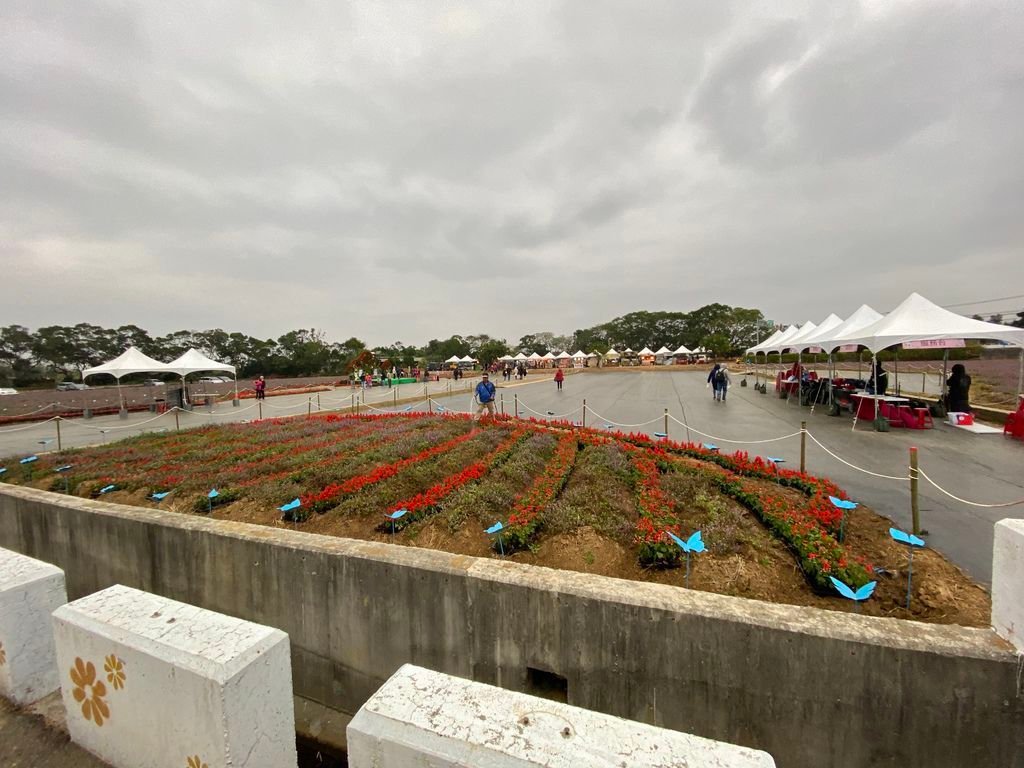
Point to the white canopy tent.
(612, 353)
(793, 343)
(663, 351)
(454, 359)
(547, 356)
(764, 345)
(831, 340)
(645, 352)
(195, 361)
(778, 344)
(918, 319)
(128, 362)
(467, 359)
(579, 353)
(824, 327)
(683, 350)
(594, 354)
(521, 357)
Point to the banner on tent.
(934, 344)
(849, 348)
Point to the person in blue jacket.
(484, 397)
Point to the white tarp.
(795, 343)
(663, 351)
(764, 345)
(825, 327)
(547, 356)
(454, 359)
(594, 354)
(467, 359)
(864, 316)
(195, 361)
(917, 319)
(683, 350)
(579, 354)
(534, 356)
(778, 344)
(612, 353)
(128, 362)
(646, 351)
(563, 355)
(520, 356)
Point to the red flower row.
(522, 521)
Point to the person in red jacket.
(559, 378)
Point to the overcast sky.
(404, 171)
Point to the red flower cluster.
(330, 493)
(522, 522)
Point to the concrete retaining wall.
(1008, 582)
(810, 687)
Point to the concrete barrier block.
(30, 590)
(149, 681)
(1008, 582)
(420, 717)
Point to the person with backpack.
(713, 380)
(724, 380)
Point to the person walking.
(559, 378)
(484, 397)
(724, 380)
(260, 386)
(713, 380)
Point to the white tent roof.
(683, 350)
(663, 351)
(454, 359)
(128, 362)
(579, 353)
(467, 359)
(563, 355)
(793, 344)
(628, 351)
(547, 356)
(534, 356)
(612, 353)
(864, 316)
(646, 351)
(505, 358)
(821, 333)
(195, 361)
(520, 356)
(594, 354)
(918, 319)
(763, 346)
(777, 345)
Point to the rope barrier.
(965, 501)
(627, 426)
(40, 408)
(216, 415)
(854, 466)
(122, 426)
(727, 440)
(29, 426)
(549, 415)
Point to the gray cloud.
(405, 171)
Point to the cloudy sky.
(413, 170)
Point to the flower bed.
(522, 520)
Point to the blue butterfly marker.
(396, 515)
(775, 460)
(108, 489)
(551, 413)
(286, 508)
(662, 435)
(211, 496)
(46, 441)
(3, 470)
(29, 459)
(407, 409)
(497, 528)
(693, 544)
(27, 463)
(158, 497)
(845, 506)
(911, 541)
(863, 593)
(609, 426)
(711, 447)
(63, 471)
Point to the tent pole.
(235, 403)
(122, 411)
(942, 384)
(1020, 375)
(896, 370)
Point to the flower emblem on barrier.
(89, 692)
(114, 667)
(196, 762)
(3, 655)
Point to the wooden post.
(352, 407)
(501, 398)
(309, 407)
(915, 511)
(517, 404)
(430, 404)
(666, 423)
(318, 408)
(584, 411)
(394, 394)
(924, 379)
(803, 446)
(59, 448)
(177, 426)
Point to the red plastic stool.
(924, 418)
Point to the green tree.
(491, 351)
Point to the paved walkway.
(983, 468)
(27, 741)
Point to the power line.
(982, 301)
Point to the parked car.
(211, 380)
(152, 383)
(8, 391)
(70, 386)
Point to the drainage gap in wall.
(547, 685)
(313, 755)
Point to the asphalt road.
(982, 468)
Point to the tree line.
(62, 352)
